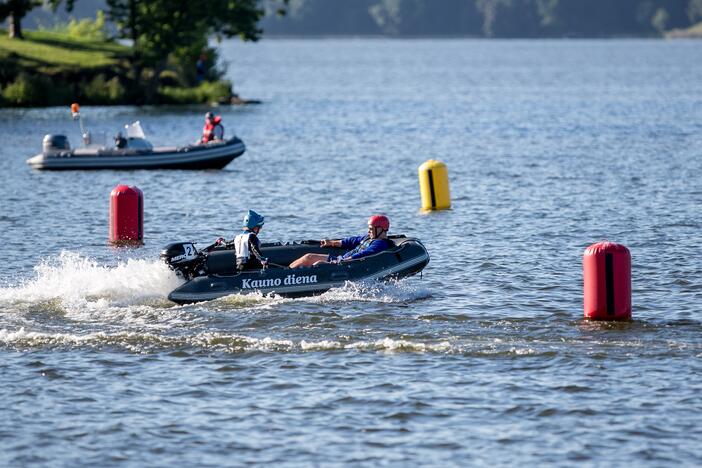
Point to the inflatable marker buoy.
(126, 215)
(607, 282)
(434, 186)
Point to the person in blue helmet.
(357, 246)
(247, 245)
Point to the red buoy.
(126, 215)
(607, 282)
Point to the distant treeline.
(485, 18)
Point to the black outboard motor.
(184, 258)
(54, 144)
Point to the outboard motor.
(184, 258)
(54, 144)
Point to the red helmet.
(379, 221)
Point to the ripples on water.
(485, 359)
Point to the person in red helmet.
(357, 246)
(213, 129)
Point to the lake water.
(485, 359)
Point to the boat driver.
(213, 129)
(357, 246)
(120, 141)
(247, 245)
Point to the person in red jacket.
(213, 129)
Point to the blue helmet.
(253, 219)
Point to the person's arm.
(330, 243)
(346, 243)
(351, 242)
(375, 247)
(254, 249)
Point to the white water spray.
(71, 277)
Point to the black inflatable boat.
(211, 272)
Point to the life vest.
(360, 247)
(241, 244)
(208, 131)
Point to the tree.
(694, 10)
(158, 28)
(15, 10)
(489, 9)
(660, 20)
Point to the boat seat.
(396, 241)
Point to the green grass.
(51, 68)
(696, 29)
(49, 53)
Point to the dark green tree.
(15, 10)
(694, 10)
(488, 18)
(160, 29)
(420, 17)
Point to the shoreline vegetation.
(504, 19)
(693, 32)
(158, 52)
(133, 53)
(49, 68)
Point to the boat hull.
(211, 156)
(406, 258)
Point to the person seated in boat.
(213, 129)
(357, 246)
(247, 245)
(120, 141)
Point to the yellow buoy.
(434, 186)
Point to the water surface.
(485, 359)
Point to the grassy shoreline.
(693, 32)
(50, 68)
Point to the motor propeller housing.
(183, 257)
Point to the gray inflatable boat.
(135, 153)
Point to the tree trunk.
(136, 65)
(132, 22)
(152, 84)
(15, 21)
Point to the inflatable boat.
(134, 152)
(211, 272)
